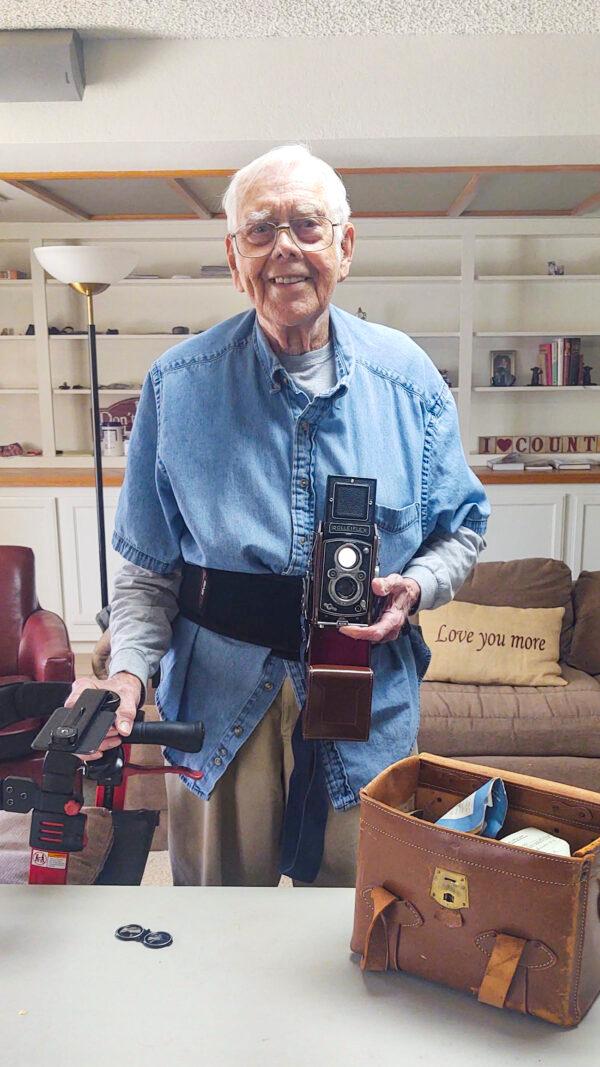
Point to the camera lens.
(346, 588)
(347, 557)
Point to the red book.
(566, 362)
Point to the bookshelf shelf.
(538, 333)
(554, 389)
(553, 279)
(86, 392)
(175, 337)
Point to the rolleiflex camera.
(345, 554)
(344, 563)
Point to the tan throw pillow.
(481, 645)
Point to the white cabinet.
(29, 517)
(559, 522)
(526, 521)
(585, 549)
(79, 549)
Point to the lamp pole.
(102, 266)
(97, 438)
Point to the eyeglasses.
(309, 234)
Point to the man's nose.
(284, 243)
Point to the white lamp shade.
(103, 264)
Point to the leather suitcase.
(514, 927)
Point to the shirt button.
(302, 540)
(303, 483)
(222, 751)
(217, 761)
(268, 685)
(237, 729)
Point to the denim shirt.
(227, 468)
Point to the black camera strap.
(262, 609)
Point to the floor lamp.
(90, 269)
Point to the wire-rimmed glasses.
(310, 233)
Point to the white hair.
(288, 157)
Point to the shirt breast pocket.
(399, 536)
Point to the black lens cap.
(157, 939)
(131, 932)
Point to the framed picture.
(503, 363)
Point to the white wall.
(406, 100)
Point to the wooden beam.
(190, 197)
(465, 197)
(142, 218)
(541, 213)
(587, 204)
(50, 198)
(531, 168)
(99, 175)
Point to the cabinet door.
(585, 553)
(526, 521)
(79, 547)
(31, 520)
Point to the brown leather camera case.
(514, 927)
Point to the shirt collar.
(343, 350)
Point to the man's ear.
(235, 274)
(347, 251)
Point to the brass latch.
(449, 889)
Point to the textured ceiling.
(307, 18)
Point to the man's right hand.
(129, 689)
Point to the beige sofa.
(550, 732)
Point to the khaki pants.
(233, 838)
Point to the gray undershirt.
(313, 372)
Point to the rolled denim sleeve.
(452, 495)
(148, 523)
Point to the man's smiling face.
(289, 287)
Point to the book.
(566, 465)
(541, 466)
(545, 353)
(498, 465)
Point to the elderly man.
(236, 433)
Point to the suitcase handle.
(501, 969)
(382, 941)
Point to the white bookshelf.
(459, 287)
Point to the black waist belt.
(262, 609)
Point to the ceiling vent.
(41, 65)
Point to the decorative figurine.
(536, 376)
(587, 376)
(446, 377)
(361, 314)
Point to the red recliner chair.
(34, 644)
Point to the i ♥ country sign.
(493, 446)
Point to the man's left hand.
(402, 594)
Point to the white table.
(254, 978)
